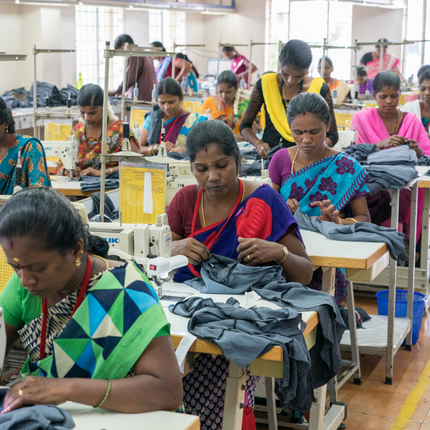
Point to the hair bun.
(3, 104)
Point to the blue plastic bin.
(401, 309)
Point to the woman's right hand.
(194, 250)
(394, 140)
(76, 172)
(293, 205)
(169, 146)
(262, 149)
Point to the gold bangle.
(106, 395)
(286, 252)
(352, 219)
(255, 144)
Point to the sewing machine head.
(66, 150)
(346, 138)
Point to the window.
(167, 27)
(95, 26)
(155, 26)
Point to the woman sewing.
(15, 148)
(227, 106)
(365, 84)
(317, 179)
(177, 121)
(275, 91)
(94, 330)
(387, 127)
(343, 91)
(89, 133)
(238, 219)
(421, 107)
(372, 61)
(239, 64)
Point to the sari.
(262, 215)
(371, 129)
(228, 116)
(162, 70)
(103, 339)
(34, 167)
(275, 107)
(389, 62)
(176, 129)
(342, 89)
(239, 65)
(337, 178)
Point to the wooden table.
(269, 365)
(88, 418)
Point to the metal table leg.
(234, 398)
(392, 292)
(271, 403)
(424, 251)
(411, 269)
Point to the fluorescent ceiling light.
(213, 12)
(44, 4)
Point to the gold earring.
(77, 262)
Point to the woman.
(372, 61)
(386, 127)
(15, 148)
(177, 121)
(89, 133)
(240, 64)
(421, 107)
(363, 81)
(86, 323)
(183, 67)
(228, 106)
(275, 91)
(343, 91)
(241, 220)
(317, 179)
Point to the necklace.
(101, 258)
(295, 156)
(287, 102)
(203, 208)
(85, 131)
(226, 116)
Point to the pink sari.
(390, 62)
(371, 129)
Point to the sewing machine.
(66, 150)
(139, 242)
(346, 138)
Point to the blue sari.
(34, 167)
(262, 215)
(338, 178)
(162, 68)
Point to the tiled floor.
(374, 405)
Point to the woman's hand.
(194, 250)
(34, 390)
(262, 149)
(180, 149)
(328, 212)
(394, 140)
(413, 144)
(169, 146)
(258, 251)
(293, 205)
(90, 171)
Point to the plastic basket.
(401, 309)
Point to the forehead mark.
(11, 244)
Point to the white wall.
(195, 30)
(371, 23)
(136, 25)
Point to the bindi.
(304, 113)
(206, 150)
(11, 245)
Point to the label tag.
(183, 348)
(251, 297)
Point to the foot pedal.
(388, 381)
(357, 381)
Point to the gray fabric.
(399, 155)
(245, 334)
(42, 417)
(358, 232)
(92, 183)
(361, 151)
(222, 275)
(155, 123)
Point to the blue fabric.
(262, 215)
(162, 68)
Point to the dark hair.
(425, 76)
(380, 41)
(206, 132)
(6, 116)
(90, 95)
(386, 79)
(170, 86)
(186, 58)
(228, 49)
(422, 70)
(309, 103)
(48, 217)
(326, 60)
(158, 45)
(361, 71)
(296, 53)
(121, 39)
(228, 77)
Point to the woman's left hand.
(258, 251)
(90, 171)
(180, 149)
(413, 144)
(169, 146)
(328, 212)
(34, 390)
